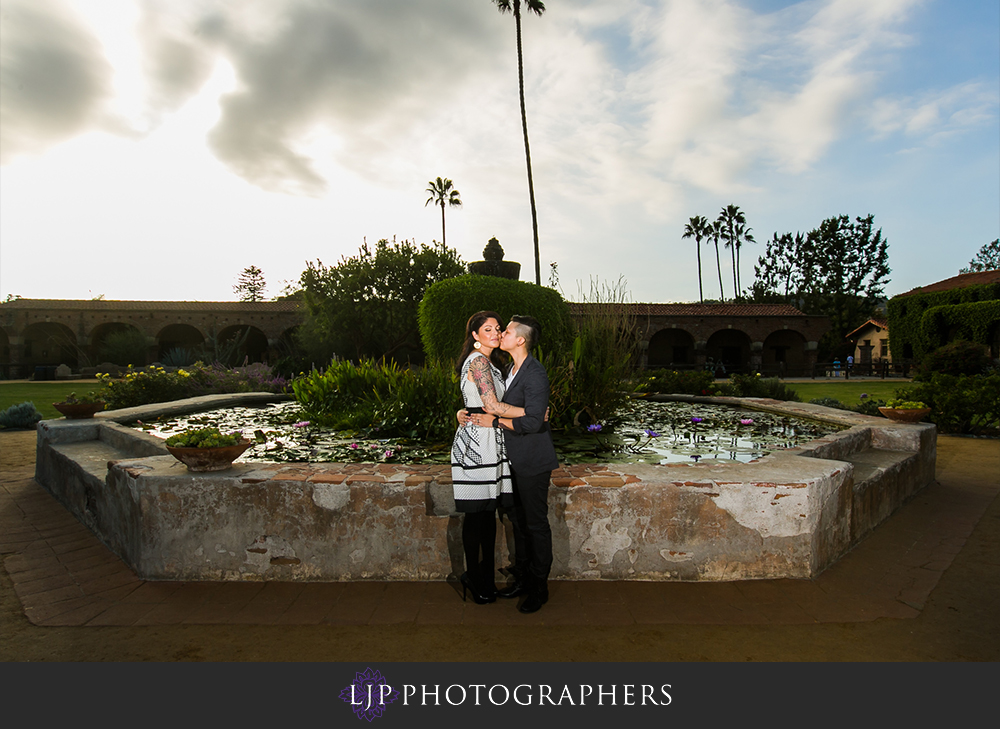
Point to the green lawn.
(43, 394)
(848, 391)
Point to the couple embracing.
(502, 458)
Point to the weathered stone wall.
(789, 514)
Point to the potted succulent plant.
(905, 411)
(207, 449)
(80, 406)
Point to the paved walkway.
(64, 576)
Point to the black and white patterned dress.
(480, 471)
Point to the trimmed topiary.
(447, 306)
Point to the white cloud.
(54, 79)
(641, 113)
(934, 114)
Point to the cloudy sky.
(152, 149)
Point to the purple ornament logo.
(369, 694)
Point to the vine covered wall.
(920, 323)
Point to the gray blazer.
(529, 445)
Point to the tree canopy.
(986, 259)
(366, 305)
(251, 285)
(839, 270)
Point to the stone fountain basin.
(790, 514)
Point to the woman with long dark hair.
(480, 471)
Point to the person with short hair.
(532, 457)
(480, 470)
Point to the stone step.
(882, 479)
(92, 456)
(872, 463)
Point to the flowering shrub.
(156, 384)
(215, 378)
(143, 386)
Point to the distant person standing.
(850, 364)
(836, 367)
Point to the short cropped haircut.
(529, 328)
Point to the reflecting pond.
(644, 432)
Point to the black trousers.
(529, 521)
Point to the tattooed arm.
(482, 375)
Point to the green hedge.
(967, 404)
(447, 306)
(926, 321)
(972, 321)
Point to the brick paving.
(64, 576)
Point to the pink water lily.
(301, 424)
(746, 421)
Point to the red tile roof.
(882, 323)
(726, 310)
(270, 307)
(957, 282)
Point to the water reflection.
(643, 432)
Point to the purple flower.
(696, 420)
(388, 454)
(301, 424)
(354, 446)
(746, 421)
(595, 428)
(651, 433)
(864, 395)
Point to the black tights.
(479, 538)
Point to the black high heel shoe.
(477, 597)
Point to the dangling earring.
(477, 345)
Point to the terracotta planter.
(77, 410)
(209, 459)
(905, 416)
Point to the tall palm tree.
(442, 192)
(715, 231)
(735, 233)
(743, 236)
(698, 228)
(537, 7)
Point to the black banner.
(498, 694)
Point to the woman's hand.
(483, 420)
